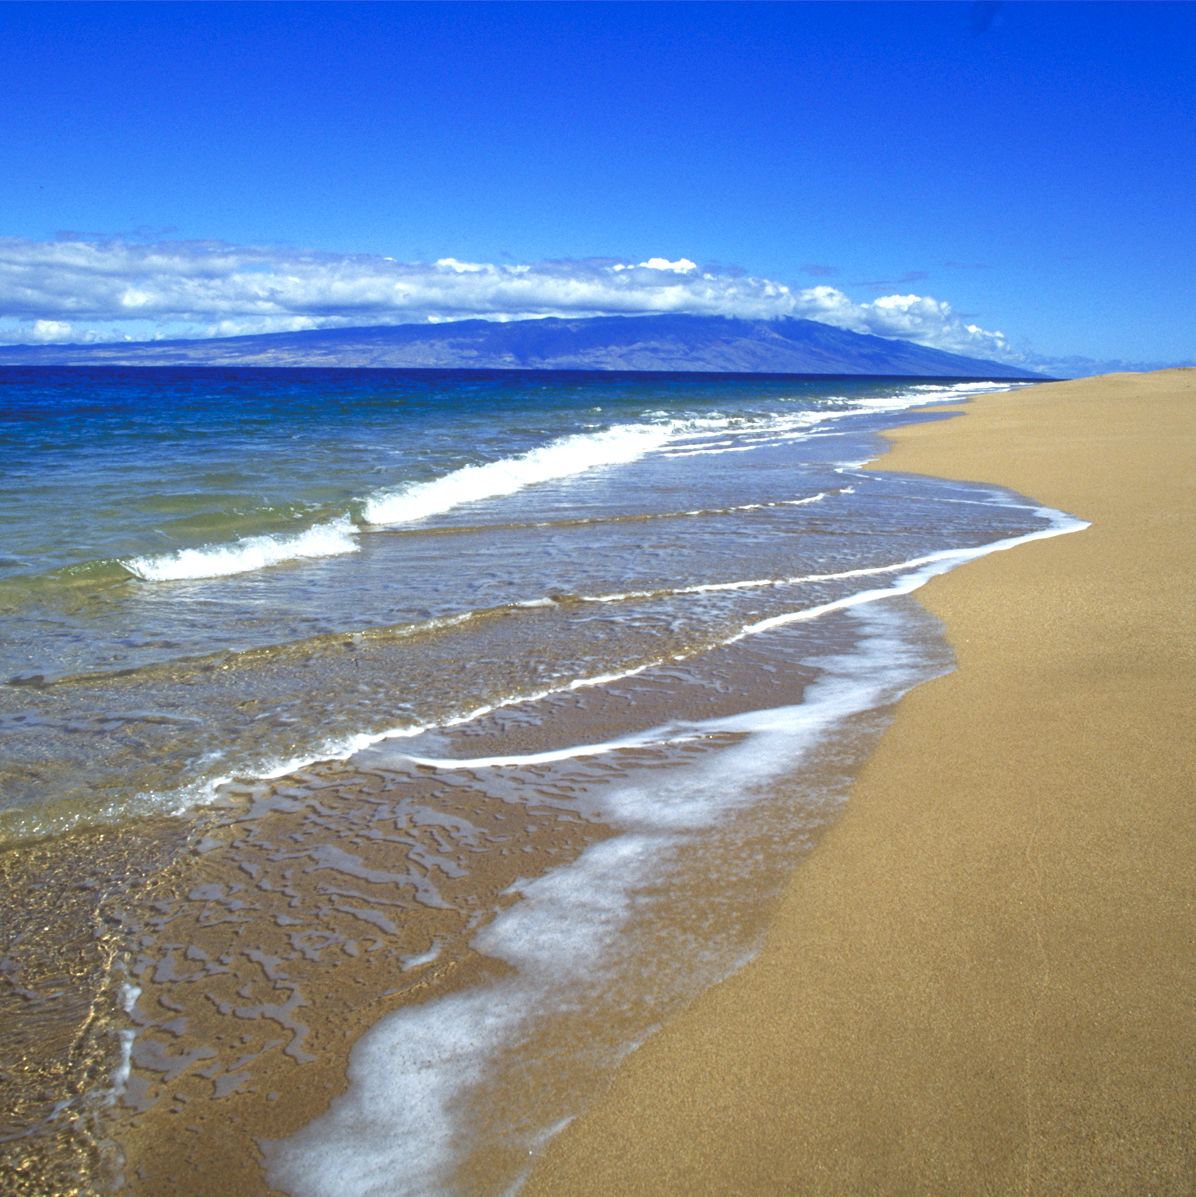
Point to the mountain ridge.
(672, 343)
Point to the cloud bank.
(75, 290)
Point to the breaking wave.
(254, 552)
(559, 459)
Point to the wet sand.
(983, 979)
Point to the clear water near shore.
(485, 711)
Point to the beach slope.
(983, 980)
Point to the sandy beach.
(982, 980)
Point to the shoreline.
(980, 979)
(238, 966)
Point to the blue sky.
(908, 169)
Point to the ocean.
(384, 754)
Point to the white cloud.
(49, 331)
(113, 290)
(456, 266)
(680, 266)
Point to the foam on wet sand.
(981, 979)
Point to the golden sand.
(984, 978)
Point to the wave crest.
(561, 458)
(248, 554)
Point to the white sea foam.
(127, 1036)
(712, 452)
(867, 571)
(913, 574)
(398, 1129)
(747, 436)
(657, 735)
(343, 748)
(815, 498)
(966, 388)
(559, 459)
(804, 424)
(923, 569)
(243, 556)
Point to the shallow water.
(481, 713)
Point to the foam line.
(797, 580)
(923, 569)
(559, 459)
(399, 1129)
(660, 735)
(622, 444)
(251, 553)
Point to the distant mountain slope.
(713, 344)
